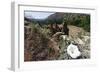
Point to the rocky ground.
(81, 38)
(38, 46)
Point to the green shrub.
(80, 20)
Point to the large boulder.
(73, 51)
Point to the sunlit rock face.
(73, 51)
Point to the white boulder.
(73, 51)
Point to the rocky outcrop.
(81, 45)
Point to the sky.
(37, 15)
